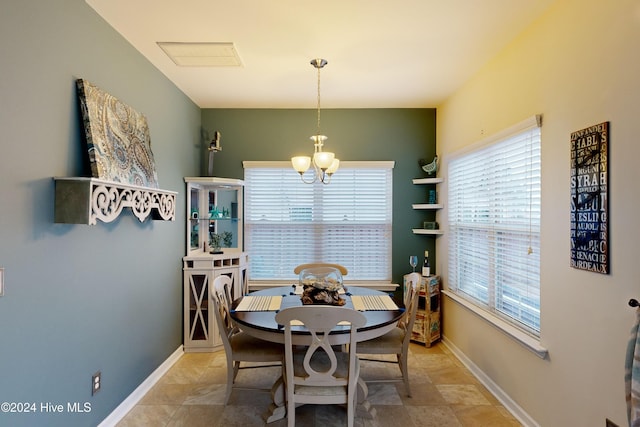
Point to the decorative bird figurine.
(214, 147)
(429, 168)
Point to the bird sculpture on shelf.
(429, 168)
(214, 147)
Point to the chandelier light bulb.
(301, 163)
(334, 167)
(323, 159)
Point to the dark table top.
(264, 321)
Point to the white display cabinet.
(214, 211)
(214, 207)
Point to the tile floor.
(445, 394)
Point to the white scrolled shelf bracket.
(80, 200)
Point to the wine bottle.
(426, 270)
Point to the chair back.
(343, 270)
(221, 297)
(319, 321)
(411, 306)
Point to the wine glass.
(413, 261)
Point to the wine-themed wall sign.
(589, 199)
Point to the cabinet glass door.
(226, 223)
(194, 223)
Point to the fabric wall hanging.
(117, 137)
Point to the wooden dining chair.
(316, 373)
(343, 270)
(396, 341)
(239, 346)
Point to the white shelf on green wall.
(428, 180)
(427, 206)
(426, 231)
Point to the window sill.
(527, 341)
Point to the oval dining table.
(262, 324)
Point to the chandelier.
(324, 162)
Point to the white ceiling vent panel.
(202, 54)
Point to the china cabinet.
(214, 247)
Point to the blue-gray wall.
(402, 135)
(81, 298)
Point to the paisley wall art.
(117, 138)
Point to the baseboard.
(509, 404)
(137, 394)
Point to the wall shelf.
(81, 200)
(427, 231)
(428, 180)
(433, 182)
(427, 206)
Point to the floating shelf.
(81, 200)
(428, 180)
(427, 206)
(426, 231)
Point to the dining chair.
(343, 270)
(239, 346)
(396, 341)
(316, 373)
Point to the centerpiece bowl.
(321, 285)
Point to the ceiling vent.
(202, 54)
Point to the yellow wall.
(578, 65)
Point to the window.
(494, 225)
(348, 221)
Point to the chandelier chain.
(318, 133)
(325, 164)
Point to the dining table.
(255, 313)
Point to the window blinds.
(348, 221)
(494, 225)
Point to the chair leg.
(291, 412)
(351, 405)
(290, 402)
(404, 369)
(231, 375)
(236, 369)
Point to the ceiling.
(381, 54)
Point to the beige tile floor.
(444, 393)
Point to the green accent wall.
(401, 135)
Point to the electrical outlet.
(96, 382)
(610, 423)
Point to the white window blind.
(494, 224)
(348, 221)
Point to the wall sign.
(589, 199)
